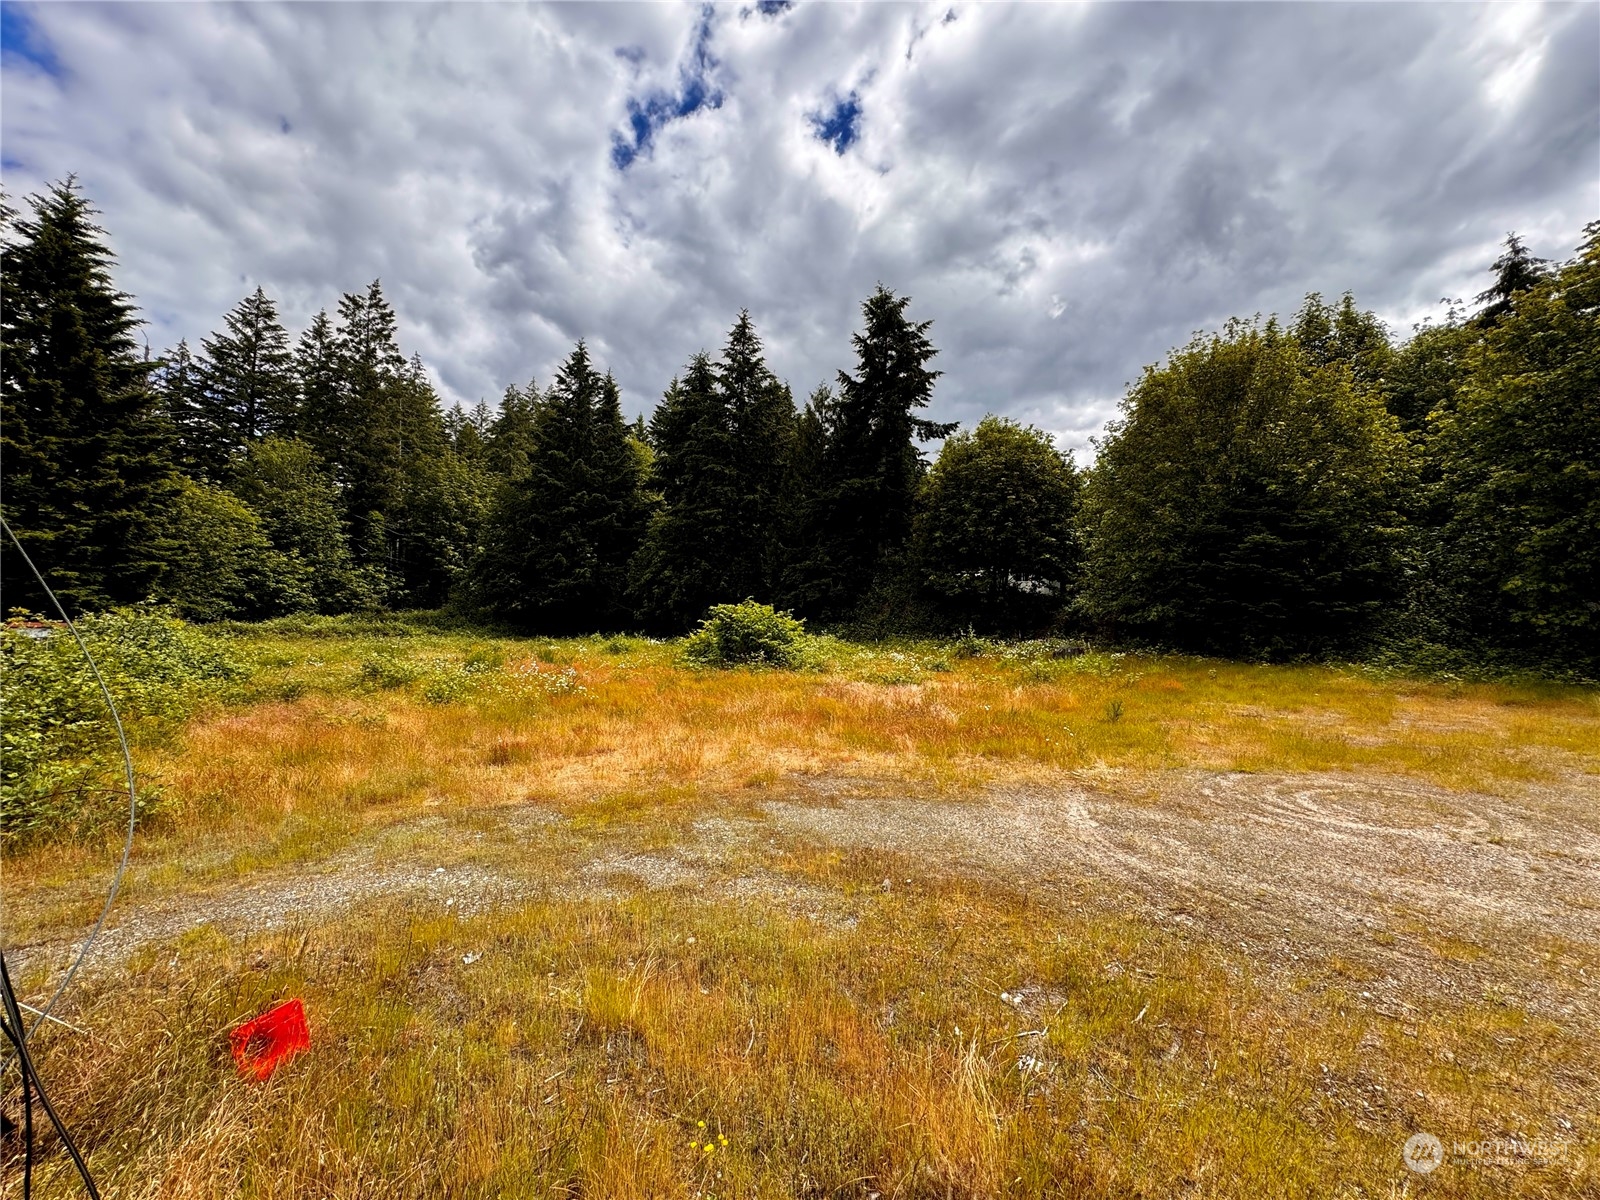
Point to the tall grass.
(347, 728)
(598, 1048)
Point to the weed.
(484, 657)
(970, 645)
(389, 671)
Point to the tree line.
(1275, 489)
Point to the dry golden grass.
(574, 725)
(602, 1036)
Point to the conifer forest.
(1308, 486)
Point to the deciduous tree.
(994, 534)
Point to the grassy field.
(571, 919)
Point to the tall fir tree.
(469, 430)
(177, 382)
(247, 388)
(316, 365)
(760, 413)
(367, 455)
(689, 559)
(87, 454)
(1515, 271)
(562, 534)
(511, 432)
(432, 506)
(861, 515)
(802, 488)
(359, 411)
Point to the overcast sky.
(1066, 191)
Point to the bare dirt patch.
(1409, 890)
(1424, 889)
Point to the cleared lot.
(966, 932)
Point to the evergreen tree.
(559, 543)
(247, 382)
(1247, 502)
(366, 455)
(861, 514)
(1515, 271)
(760, 417)
(469, 432)
(87, 456)
(374, 420)
(994, 534)
(689, 559)
(511, 433)
(177, 382)
(434, 503)
(316, 364)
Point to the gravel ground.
(1429, 892)
(1432, 891)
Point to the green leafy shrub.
(389, 671)
(61, 771)
(747, 634)
(445, 682)
(970, 645)
(218, 561)
(446, 687)
(484, 658)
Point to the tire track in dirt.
(1294, 869)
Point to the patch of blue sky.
(840, 127)
(21, 40)
(696, 90)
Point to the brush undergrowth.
(59, 774)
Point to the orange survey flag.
(263, 1042)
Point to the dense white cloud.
(1067, 191)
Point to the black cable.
(13, 1024)
(27, 1113)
